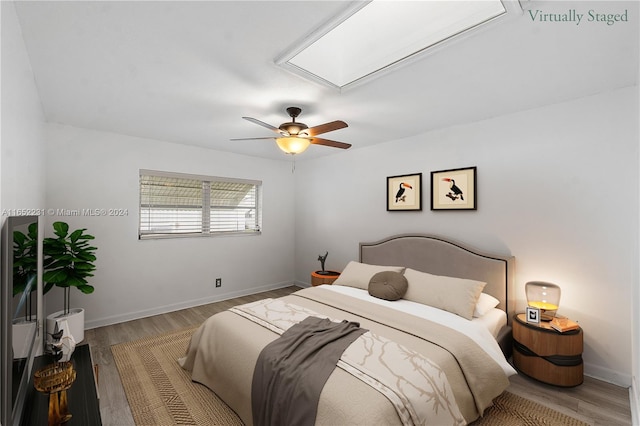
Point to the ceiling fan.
(295, 137)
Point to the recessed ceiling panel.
(383, 33)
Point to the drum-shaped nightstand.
(547, 355)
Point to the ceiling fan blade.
(252, 139)
(327, 142)
(263, 124)
(326, 127)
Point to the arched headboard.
(440, 256)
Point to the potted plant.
(68, 262)
(25, 264)
(25, 268)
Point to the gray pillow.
(388, 285)
(358, 275)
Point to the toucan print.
(455, 192)
(400, 194)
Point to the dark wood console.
(82, 395)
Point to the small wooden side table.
(547, 355)
(317, 278)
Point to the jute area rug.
(160, 392)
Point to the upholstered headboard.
(440, 256)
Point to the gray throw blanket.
(292, 370)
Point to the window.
(176, 204)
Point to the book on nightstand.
(563, 324)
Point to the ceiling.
(186, 72)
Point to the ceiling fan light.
(293, 145)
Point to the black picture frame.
(454, 189)
(404, 192)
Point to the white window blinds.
(173, 204)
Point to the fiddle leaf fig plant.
(68, 261)
(25, 267)
(25, 259)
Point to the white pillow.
(485, 303)
(358, 275)
(455, 295)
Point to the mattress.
(493, 321)
(223, 352)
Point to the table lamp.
(544, 296)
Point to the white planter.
(22, 333)
(75, 318)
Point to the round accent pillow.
(388, 285)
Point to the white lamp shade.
(293, 145)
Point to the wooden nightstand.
(329, 278)
(546, 355)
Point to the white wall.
(21, 125)
(22, 141)
(97, 170)
(634, 392)
(557, 188)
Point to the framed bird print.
(404, 192)
(454, 189)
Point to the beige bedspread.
(223, 352)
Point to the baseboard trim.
(634, 400)
(116, 319)
(607, 375)
(301, 284)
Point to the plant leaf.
(87, 256)
(33, 231)
(55, 276)
(86, 289)
(19, 237)
(75, 235)
(61, 229)
(84, 266)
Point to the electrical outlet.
(218, 282)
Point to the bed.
(460, 359)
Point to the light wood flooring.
(594, 402)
